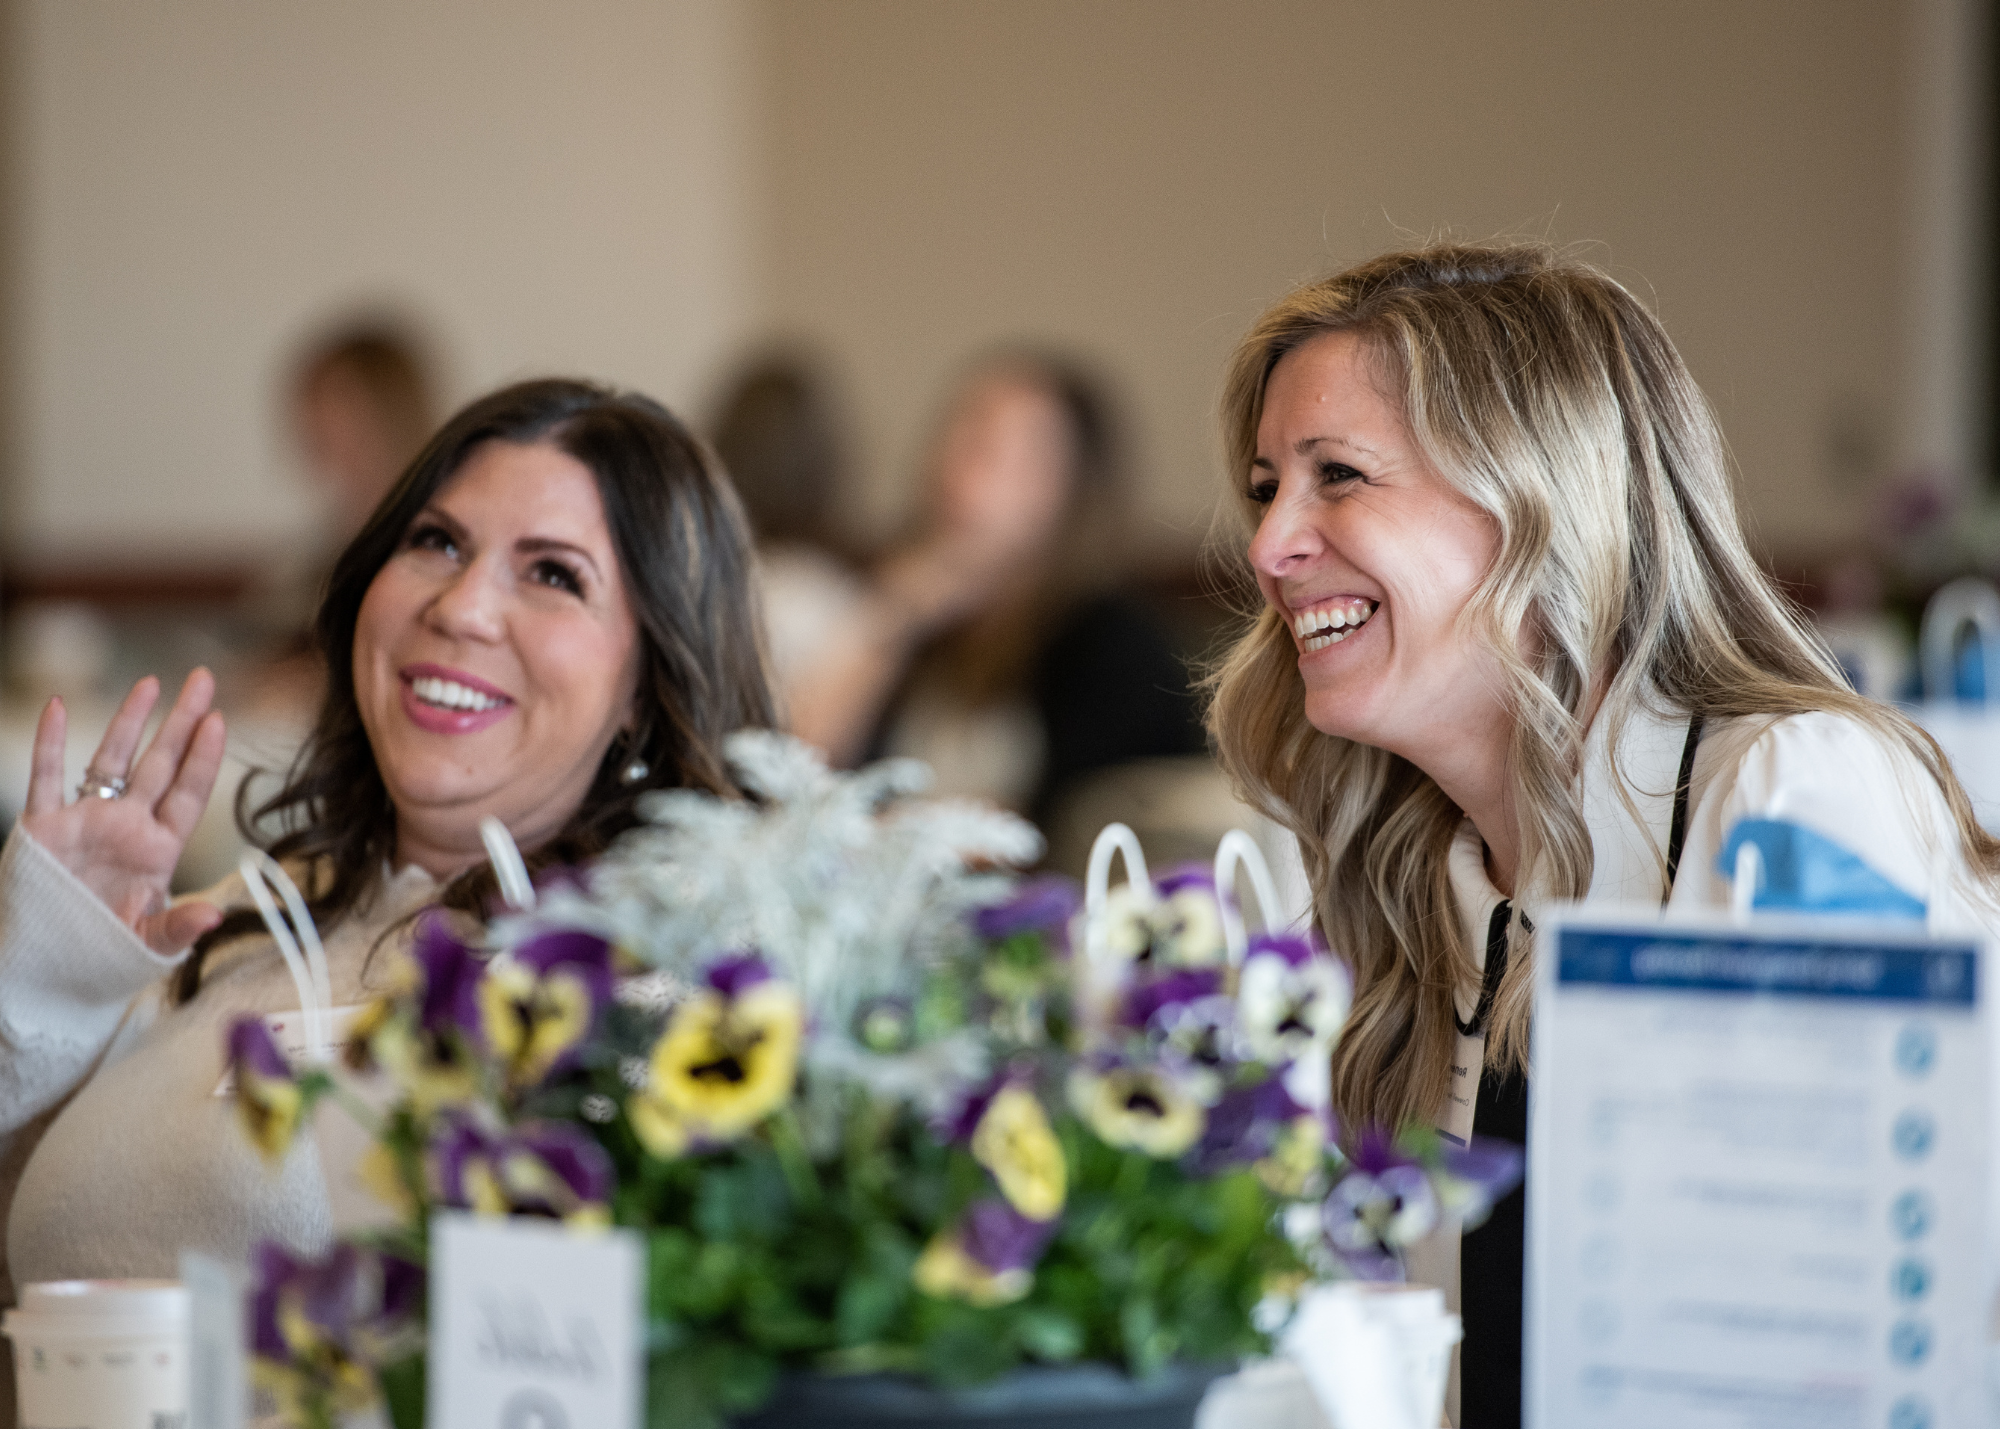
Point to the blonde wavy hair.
(1546, 394)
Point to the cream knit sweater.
(115, 1152)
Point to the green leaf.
(1050, 1335)
(403, 1391)
(868, 1305)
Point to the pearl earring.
(635, 771)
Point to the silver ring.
(99, 785)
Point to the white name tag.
(533, 1325)
(1462, 1101)
(288, 1030)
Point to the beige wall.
(1138, 177)
(553, 186)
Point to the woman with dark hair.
(548, 616)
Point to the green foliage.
(402, 1385)
(748, 1277)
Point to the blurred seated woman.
(779, 435)
(548, 616)
(997, 646)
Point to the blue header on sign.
(1716, 962)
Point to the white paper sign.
(218, 1378)
(534, 1326)
(1760, 1181)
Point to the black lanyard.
(1496, 926)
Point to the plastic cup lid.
(100, 1299)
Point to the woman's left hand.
(124, 848)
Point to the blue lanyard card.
(1761, 1183)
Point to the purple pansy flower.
(451, 972)
(1146, 998)
(1297, 951)
(1000, 1237)
(1244, 1126)
(1479, 1175)
(307, 1312)
(1383, 1205)
(586, 955)
(1041, 905)
(270, 1103)
(578, 1172)
(252, 1047)
(539, 1168)
(733, 974)
(958, 1124)
(540, 1001)
(1184, 876)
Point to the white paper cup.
(1376, 1356)
(101, 1354)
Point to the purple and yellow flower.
(535, 1169)
(1147, 998)
(538, 1002)
(987, 1259)
(728, 1059)
(318, 1326)
(1137, 1108)
(431, 1055)
(1179, 926)
(1244, 1126)
(1291, 999)
(1199, 1041)
(1014, 1141)
(1382, 1206)
(1474, 1178)
(1296, 1164)
(270, 1103)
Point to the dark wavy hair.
(684, 552)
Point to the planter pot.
(1036, 1397)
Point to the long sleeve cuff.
(62, 950)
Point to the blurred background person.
(997, 644)
(360, 401)
(780, 436)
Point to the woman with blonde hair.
(1515, 650)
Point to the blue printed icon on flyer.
(1916, 1050)
(1912, 1411)
(1910, 1342)
(1914, 1134)
(1911, 1279)
(1912, 1214)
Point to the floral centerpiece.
(876, 1105)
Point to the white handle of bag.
(1239, 850)
(515, 885)
(305, 957)
(1966, 601)
(1113, 839)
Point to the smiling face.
(496, 655)
(1370, 557)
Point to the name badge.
(534, 1326)
(288, 1030)
(1462, 1100)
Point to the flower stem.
(793, 1158)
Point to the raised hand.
(123, 847)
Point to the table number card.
(1761, 1184)
(534, 1326)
